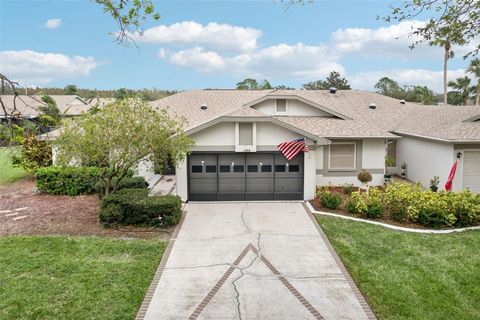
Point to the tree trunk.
(445, 70)
(477, 98)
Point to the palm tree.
(463, 85)
(448, 54)
(474, 68)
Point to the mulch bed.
(59, 215)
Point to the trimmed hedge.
(135, 207)
(128, 182)
(67, 180)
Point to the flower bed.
(403, 204)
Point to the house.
(237, 133)
(27, 107)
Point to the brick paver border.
(358, 294)
(156, 278)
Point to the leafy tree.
(50, 116)
(390, 88)
(455, 20)
(455, 98)
(283, 87)
(253, 84)
(129, 15)
(334, 79)
(119, 137)
(420, 94)
(474, 69)
(124, 93)
(71, 89)
(463, 86)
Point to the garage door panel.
(245, 176)
(471, 171)
(288, 185)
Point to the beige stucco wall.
(370, 156)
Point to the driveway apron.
(253, 260)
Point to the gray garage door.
(244, 176)
(471, 171)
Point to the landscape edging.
(386, 225)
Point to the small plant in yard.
(330, 200)
(356, 203)
(33, 154)
(375, 207)
(434, 183)
(348, 188)
(364, 176)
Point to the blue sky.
(206, 44)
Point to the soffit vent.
(372, 106)
(204, 106)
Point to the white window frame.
(354, 157)
(246, 148)
(286, 107)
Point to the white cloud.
(30, 67)
(280, 61)
(392, 42)
(430, 78)
(53, 23)
(214, 36)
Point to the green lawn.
(7, 172)
(75, 277)
(410, 276)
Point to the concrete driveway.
(252, 261)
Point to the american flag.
(291, 148)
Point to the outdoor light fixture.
(459, 155)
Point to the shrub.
(348, 189)
(364, 176)
(110, 215)
(71, 181)
(329, 199)
(33, 154)
(137, 208)
(374, 203)
(356, 203)
(128, 182)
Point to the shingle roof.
(69, 105)
(26, 106)
(390, 115)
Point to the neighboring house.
(69, 105)
(237, 133)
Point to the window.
(266, 168)
(294, 168)
(281, 106)
(237, 168)
(224, 168)
(280, 168)
(252, 168)
(342, 156)
(211, 169)
(245, 131)
(197, 169)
